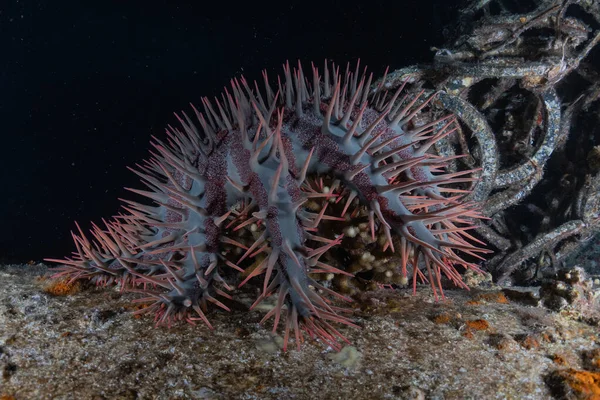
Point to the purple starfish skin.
(260, 148)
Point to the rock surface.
(476, 344)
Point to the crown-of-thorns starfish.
(247, 161)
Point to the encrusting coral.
(316, 178)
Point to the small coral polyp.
(240, 186)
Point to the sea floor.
(480, 344)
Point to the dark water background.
(83, 85)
